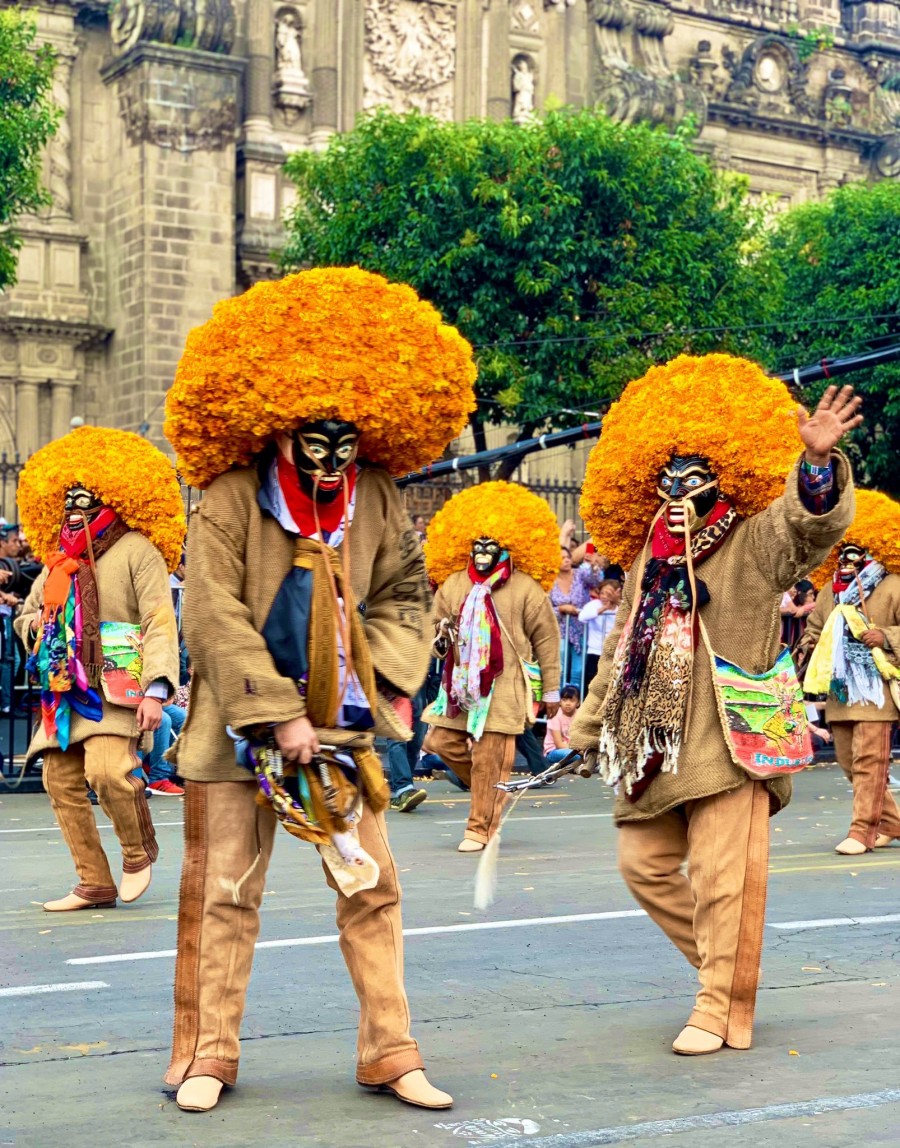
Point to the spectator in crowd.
(796, 606)
(403, 757)
(418, 521)
(556, 741)
(568, 596)
(160, 774)
(598, 616)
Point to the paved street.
(551, 1032)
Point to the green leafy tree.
(28, 119)
(840, 262)
(573, 252)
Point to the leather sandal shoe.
(414, 1088)
(882, 841)
(199, 1094)
(134, 885)
(72, 901)
(692, 1041)
(850, 847)
(467, 846)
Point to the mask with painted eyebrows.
(486, 554)
(323, 450)
(80, 504)
(851, 559)
(689, 488)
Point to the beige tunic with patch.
(238, 558)
(132, 586)
(746, 577)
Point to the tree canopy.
(28, 119)
(573, 252)
(840, 264)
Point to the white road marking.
(653, 1128)
(101, 826)
(536, 817)
(430, 930)
(64, 987)
(835, 922)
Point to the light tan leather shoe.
(882, 841)
(414, 1088)
(199, 1094)
(693, 1041)
(72, 902)
(467, 846)
(850, 847)
(134, 885)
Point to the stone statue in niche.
(288, 40)
(290, 88)
(522, 89)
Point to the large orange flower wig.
(725, 409)
(875, 527)
(518, 519)
(331, 343)
(122, 469)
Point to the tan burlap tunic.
(883, 609)
(133, 586)
(746, 577)
(238, 558)
(525, 611)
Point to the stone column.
(27, 430)
(59, 150)
(498, 69)
(325, 54)
(60, 409)
(258, 77)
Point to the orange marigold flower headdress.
(518, 519)
(331, 343)
(725, 409)
(875, 527)
(122, 469)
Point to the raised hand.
(836, 414)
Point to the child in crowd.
(556, 742)
(599, 616)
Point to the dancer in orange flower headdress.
(697, 485)
(103, 510)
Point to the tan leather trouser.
(489, 760)
(863, 751)
(716, 913)
(228, 845)
(107, 763)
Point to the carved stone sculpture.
(522, 89)
(769, 77)
(633, 80)
(290, 89)
(208, 25)
(410, 55)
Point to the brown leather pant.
(488, 761)
(107, 763)
(228, 845)
(714, 915)
(863, 751)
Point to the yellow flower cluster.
(876, 526)
(725, 409)
(331, 343)
(519, 520)
(126, 471)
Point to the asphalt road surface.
(549, 1017)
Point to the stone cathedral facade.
(166, 174)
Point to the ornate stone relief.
(632, 77)
(769, 77)
(525, 16)
(208, 25)
(290, 88)
(410, 56)
(59, 151)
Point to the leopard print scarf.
(645, 711)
